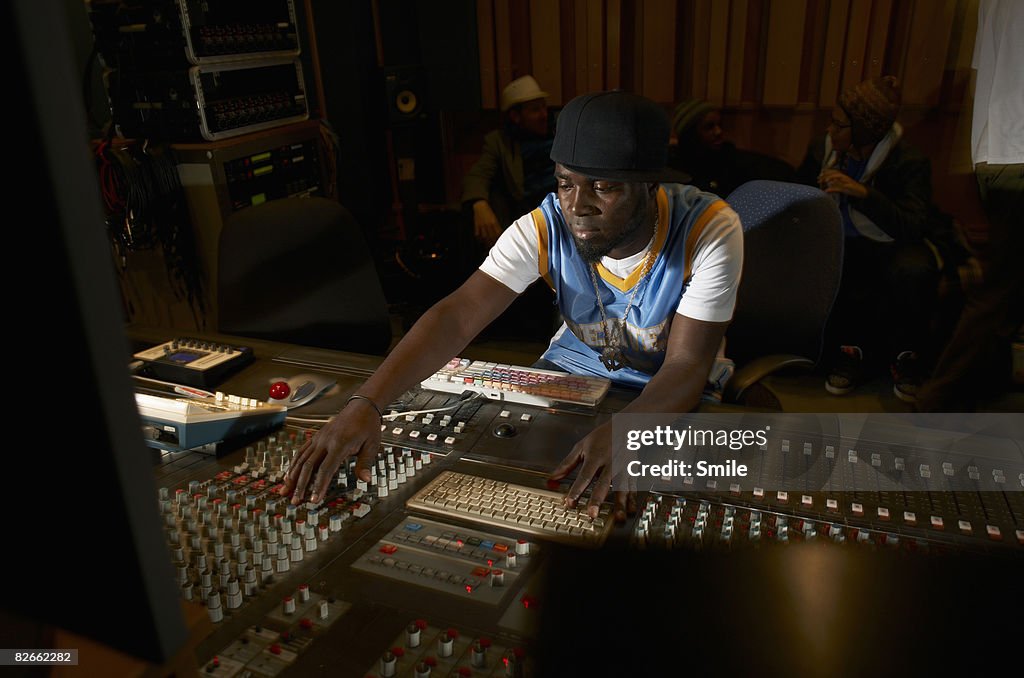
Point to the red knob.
(279, 390)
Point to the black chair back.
(793, 254)
(298, 270)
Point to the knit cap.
(687, 114)
(872, 106)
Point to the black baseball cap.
(615, 135)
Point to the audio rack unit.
(208, 102)
(169, 34)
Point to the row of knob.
(683, 524)
(479, 656)
(924, 469)
(392, 468)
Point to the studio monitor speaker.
(405, 92)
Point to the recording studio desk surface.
(456, 560)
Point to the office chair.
(792, 264)
(299, 271)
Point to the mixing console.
(439, 564)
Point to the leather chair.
(792, 265)
(299, 271)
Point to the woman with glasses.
(882, 185)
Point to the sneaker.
(846, 371)
(906, 377)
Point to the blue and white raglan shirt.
(698, 250)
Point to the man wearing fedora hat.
(514, 171)
(644, 271)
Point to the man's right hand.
(353, 431)
(485, 223)
(594, 457)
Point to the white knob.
(445, 645)
(213, 607)
(478, 655)
(234, 597)
(412, 635)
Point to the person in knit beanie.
(872, 106)
(888, 294)
(700, 149)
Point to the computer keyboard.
(512, 383)
(524, 509)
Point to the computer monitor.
(84, 542)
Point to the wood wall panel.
(813, 49)
(930, 29)
(595, 45)
(659, 48)
(717, 50)
(747, 54)
(519, 25)
(546, 48)
(613, 27)
(503, 42)
(753, 56)
(857, 27)
(962, 51)
(832, 64)
(783, 53)
(878, 35)
(485, 36)
(581, 21)
(734, 59)
(699, 35)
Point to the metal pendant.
(613, 358)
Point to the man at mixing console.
(644, 271)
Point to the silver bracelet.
(372, 404)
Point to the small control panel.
(195, 362)
(464, 562)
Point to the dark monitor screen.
(80, 496)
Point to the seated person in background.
(890, 276)
(645, 276)
(713, 163)
(515, 171)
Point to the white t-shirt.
(997, 130)
(710, 295)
